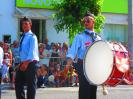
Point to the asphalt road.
(119, 92)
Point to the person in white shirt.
(1, 63)
(1, 57)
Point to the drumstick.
(105, 91)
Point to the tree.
(70, 12)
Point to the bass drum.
(106, 63)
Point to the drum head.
(98, 62)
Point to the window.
(115, 32)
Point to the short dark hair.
(89, 14)
(25, 18)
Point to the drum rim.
(84, 64)
(111, 75)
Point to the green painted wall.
(34, 4)
(111, 6)
(115, 6)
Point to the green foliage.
(99, 22)
(70, 12)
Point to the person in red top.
(64, 76)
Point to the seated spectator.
(64, 77)
(73, 79)
(51, 77)
(42, 73)
(57, 74)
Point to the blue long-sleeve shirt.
(29, 47)
(80, 44)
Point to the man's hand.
(24, 65)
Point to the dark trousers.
(86, 90)
(27, 78)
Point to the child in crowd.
(51, 77)
(64, 76)
(73, 79)
(57, 74)
(42, 73)
(68, 76)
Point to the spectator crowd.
(52, 70)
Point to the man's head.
(88, 21)
(26, 24)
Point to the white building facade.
(43, 24)
(116, 27)
(11, 11)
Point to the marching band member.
(79, 46)
(29, 57)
